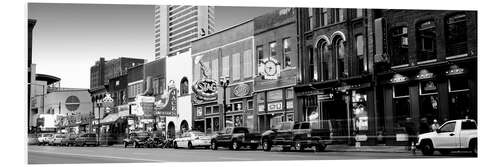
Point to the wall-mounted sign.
(241, 90)
(398, 78)
(205, 89)
(424, 74)
(199, 111)
(455, 70)
(274, 106)
(167, 104)
(269, 68)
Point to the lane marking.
(98, 156)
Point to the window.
(400, 90)
(310, 19)
(238, 106)
(399, 45)
(449, 127)
(236, 66)
(326, 61)
(359, 13)
(247, 63)
(260, 54)
(338, 15)
(468, 125)
(155, 86)
(184, 88)
(401, 104)
(313, 66)
(225, 66)
(426, 38)
(215, 69)
(215, 109)
(208, 110)
(456, 35)
(324, 17)
(208, 125)
(287, 60)
(250, 105)
(428, 87)
(275, 95)
(360, 45)
(272, 49)
(340, 53)
(458, 84)
(216, 123)
(161, 85)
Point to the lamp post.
(99, 103)
(224, 83)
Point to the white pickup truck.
(452, 135)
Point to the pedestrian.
(411, 131)
(435, 125)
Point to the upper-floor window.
(340, 54)
(323, 17)
(359, 13)
(360, 53)
(287, 60)
(326, 61)
(184, 87)
(310, 19)
(313, 65)
(247, 63)
(272, 49)
(426, 40)
(399, 46)
(456, 35)
(236, 66)
(225, 66)
(338, 15)
(260, 54)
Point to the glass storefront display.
(429, 101)
(359, 111)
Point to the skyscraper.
(177, 25)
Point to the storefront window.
(208, 124)
(250, 105)
(229, 121)
(427, 88)
(289, 93)
(238, 106)
(459, 99)
(208, 110)
(229, 108)
(289, 117)
(215, 109)
(360, 111)
(401, 102)
(216, 124)
(238, 120)
(276, 119)
(275, 95)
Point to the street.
(73, 155)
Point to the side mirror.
(438, 131)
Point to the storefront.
(441, 92)
(274, 107)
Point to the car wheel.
(266, 145)
(473, 147)
(235, 145)
(175, 145)
(213, 144)
(190, 146)
(444, 152)
(299, 146)
(125, 144)
(427, 148)
(135, 145)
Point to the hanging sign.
(424, 74)
(205, 89)
(398, 78)
(455, 70)
(241, 90)
(167, 105)
(269, 68)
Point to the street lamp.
(99, 104)
(224, 83)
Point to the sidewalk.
(382, 149)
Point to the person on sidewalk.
(435, 125)
(411, 131)
(424, 126)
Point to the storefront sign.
(398, 78)
(241, 90)
(199, 111)
(274, 106)
(144, 105)
(455, 70)
(361, 138)
(401, 137)
(167, 104)
(205, 89)
(424, 74)
(269, 68)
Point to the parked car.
(451, 136)
(57, 139)
(69, 140)
(137, 139)
(315, 134)
(236, 137)
(193, 139)
(86, 139)
(44, 138)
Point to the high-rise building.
(177, 25)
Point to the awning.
(111, 118)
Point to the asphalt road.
(76, 155)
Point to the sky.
(69, 38)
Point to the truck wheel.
(299, 146)
(135, 145)
(427, 148)
(213, 145)
(266, 145)
(190, 146)
(473, 147)
(235, 145)
(125, 144)
(175, 145)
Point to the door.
(446, 136)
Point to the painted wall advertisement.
(167, 104)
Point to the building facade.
(276, 61)
(335, 78)
(426, 68)
(177, 25)
(225, 55)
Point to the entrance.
(171, 130)
(336, 110)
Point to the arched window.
(184, 87)
(456, 35)
(340, 54)
(326, 61)
(426, 40)
(313, 65)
